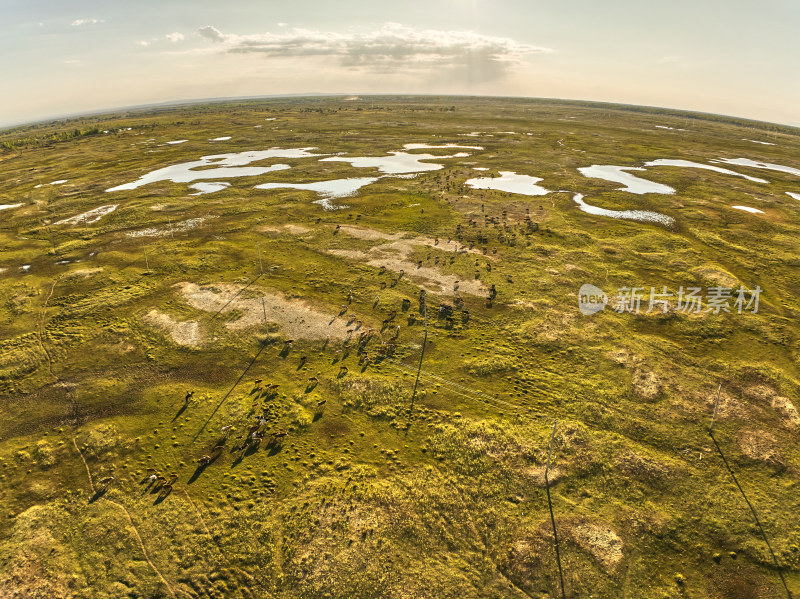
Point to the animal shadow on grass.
(274, 448)
(162, 496)
(201, 468)
(97, 495)
(180, 412)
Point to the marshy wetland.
(213, 323)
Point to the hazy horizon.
(82, 56)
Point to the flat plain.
(212, 373)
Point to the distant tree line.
(49, 139)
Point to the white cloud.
(175, 37)
(80, 22)
(142, 43)
(387, 49)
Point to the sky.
(733, 57)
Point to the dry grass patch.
(296, 318)
(182, 332)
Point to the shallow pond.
(219, 166)
(638, 215)
(395, 163)
(758, 164)
(208, 187)
(327, 190)
(619, 174)
(511, 182)
(700, 165)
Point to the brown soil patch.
(783, 405)
(287, 228)
(600, 541)
(183, 333)
(403, 244)
(646, 384)
(717, 275)
(536, 474)
(760, 446)
(84, 272)
(394, 257)
(296, 318)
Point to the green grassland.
(374, 494)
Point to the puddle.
(637, 215)
(177, 141)
(87, 218)
(748, 209)
(708, 167)
(758, 164)
(208, 187)
(796, 196)
(225, 165)
(511, 182)
(755, 141)
(480, 168)
(8, 206)
(618, 174)
(59, 182)
(25, 268)
(226, 138)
